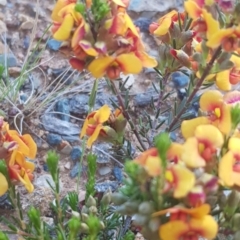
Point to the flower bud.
(139, 219)
(128, 208)
(74, 225)
(106, 199)
(210, 182)
(235, 221)
(175, 31)
(84, 228)
(102, 225)
(93, 210)
(187, 36)
(113, 72)
(91, 202)
(146, 208)
(181, 56)
(232, 203)
(222, 199)
(84, 210)
(154, 224)
(196, 196)
(108, 134)
(84, 217)
(236, 235)
(118, 198)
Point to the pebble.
(66, 148)
(14, 71)
(128, 80)
(27, 25)
(4, 202)
(26, 42)
(3, 2)
(45, 167)
(75, 170)
(67, 165)
(101, 157)
(53, 139)
(53, 44)
(104, 170)
(42, 181)
(144, 99)
(63, 107)
(76, 153)
(181, 93)
(143, 24)
(105, 186)
(173, 136)
(11, 60)
(117, 173)
(49, 221)
(179, 80)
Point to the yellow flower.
(93, 124)
(3, 184)
(219, 114)
(200, 149)
(229, 165)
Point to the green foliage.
(235, 116)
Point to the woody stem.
(196, 88)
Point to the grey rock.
(53, 139)
(104, 170)
(173, 136)
(4, 202)
(66, 149)
(42, 181)
(76, 153)
(75, 170)
(100, 149)
(63, 107)
(55, 125)
(26, 42)
(79, 104)
(143, 24)
(144, 99)
(117, 173)
(54, 44)
(105, 186)
(11, 60)
(179, 80)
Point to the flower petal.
(31, 145)
(173, 230)
(225, 169)
(232, 98)
(94, 136)
(103, 114)
(147, 61)
(26, 182)
(3, 184)
(77, 64)
(188, 127)
(153, 166)
(210, 99)
(185, 180)
(98, 66)
(222, 80)
(193, 10)
(78, 35)
(64, 31)
(225, 122)
(190, 155)
(163, 27)
(206, 226)
(216, 39)
(234, 144)
(129, 63)
(87, 47)
(209, 133)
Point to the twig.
(127, 116)
(198, 85)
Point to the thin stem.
(197, 87)
(127, 116)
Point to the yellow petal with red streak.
(130, 25)
(212, 24)
(103, 114)
(87, 48)
(225, 122)
(94, 136)
(232, 98)
(216, 39)
(84, 128)
(147, 61)
(58, 6)
(209, 99)
(163, 27)
(225, 169)
(191, 156)
(188, 127)
(119, 3)
(129, 63)
(222, 80)
(211, 134)
(3, 185)
(153, 166)
(26, 182)
(193, 10)
(31, 144)
(98, 66)
(184, 181)
(78, 35)
(206, 226)
(173, 230)
(22, 147)
(64, 31)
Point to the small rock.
(4, 202)
(143, 24)
(173, 136)
(181, 93)
(53, 139)
(128, 80)
(45, 167)
(55, 125)
(67, 165)
(65, 147)
(100, 149)
(75, 170)
(117, 172)
(49, 221)
(104, 170)
(81, 195)
(144, 99)
(42, 181)
(28, 25)
(76, 153)
(179, 80)
(11, 60)
(3, 2)
(53, 44)
(105, 186)
(26, 42)
(14, 71)
(63, 107)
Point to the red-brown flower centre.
(236, 166)
(230, 44)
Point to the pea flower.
(229, 170)
(218, 114)
(3, 185)
(188, 223)
(93, 125)
(199, 150)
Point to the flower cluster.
(14, 149)
(107, 47)
(105, 125)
